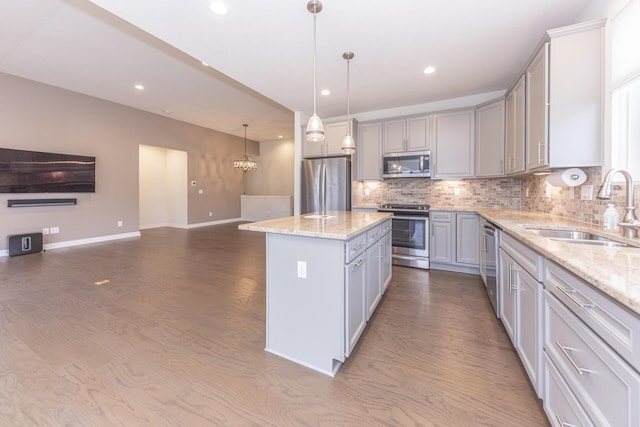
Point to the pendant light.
(245, 164)
(315, 129)
(348, 146)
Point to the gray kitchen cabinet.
(355, 316)
(564, 99)
(515, 128)
(406, 134)
(521, 309)
(369, 151)
(490, 132)
(373, 292)
(453, 145)
(385, 262)
(334, 133)
(454, 242)
(467, 243)
(591, 343)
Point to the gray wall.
(274, 176)
(38, 117)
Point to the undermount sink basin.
(574, 236)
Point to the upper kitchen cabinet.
(369, 151)
(454, 145)
(564, 99)
(490, 131)
(514, 128)
(403, 135)
(334, 133)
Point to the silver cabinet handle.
(564, 351)
(569, 293)
(563, 423)
(357, 248)
(359, 263)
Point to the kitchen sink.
(576, 236)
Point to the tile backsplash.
(529, 193)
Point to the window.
(625, 89)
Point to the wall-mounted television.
(37, 172)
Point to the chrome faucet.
(630, 224)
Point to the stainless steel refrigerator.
(326, 184)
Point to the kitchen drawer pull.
(359, 263)
(569, 293)
(563, 423)
(564, 349)
(357, 248)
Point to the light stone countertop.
(339, 225)
(615, 271)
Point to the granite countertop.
(615, 271)
(339, 225)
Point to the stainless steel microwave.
(406, 165)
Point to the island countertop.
(339, 225)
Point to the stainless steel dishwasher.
(489, 244)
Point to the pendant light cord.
(314, 62)
(348, 121)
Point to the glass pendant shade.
(315, 129)
(245, 164)
(348, 145)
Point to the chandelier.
(245, 163)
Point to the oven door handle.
(411, 218)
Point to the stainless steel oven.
(489, 271)
(409, 234)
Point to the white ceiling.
(260, 54)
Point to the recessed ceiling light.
(325, 92)
(219, 8)
(139, 87)
(430, 69)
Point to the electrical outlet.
(120, 223)
(45, 230)
(201, 191)
(367, 191)
(54, 230)
(572, 193)
(526, 191)
(586, 192)
(210, 213)
(456, 191)
(302, 270)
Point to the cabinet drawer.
(560, 404)
(355, 246)
(386, 227)
(437, 216)
(374, 234)
(606, 386)
(613, 323)
(528, 259)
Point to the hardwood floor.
(176, 338)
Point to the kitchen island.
(326, 274)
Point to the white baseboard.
(79, 242)
(189, 226)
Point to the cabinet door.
(334, 133)
(369, 153)
(467, 245)
(454, 145)
(311, 148)
(508, 284)
(394, 136)
(490, 145)
(514, 146)
(418, 134)
(537, 110)
(373, 290)
(441, 242)
(528, 333)
(385, 261)
(355, 315)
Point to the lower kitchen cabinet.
(454, 242)
(521, 308)
(356, 316)
(373, 292)
(385, 259)
(582, 329)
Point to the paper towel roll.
(571, 177)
